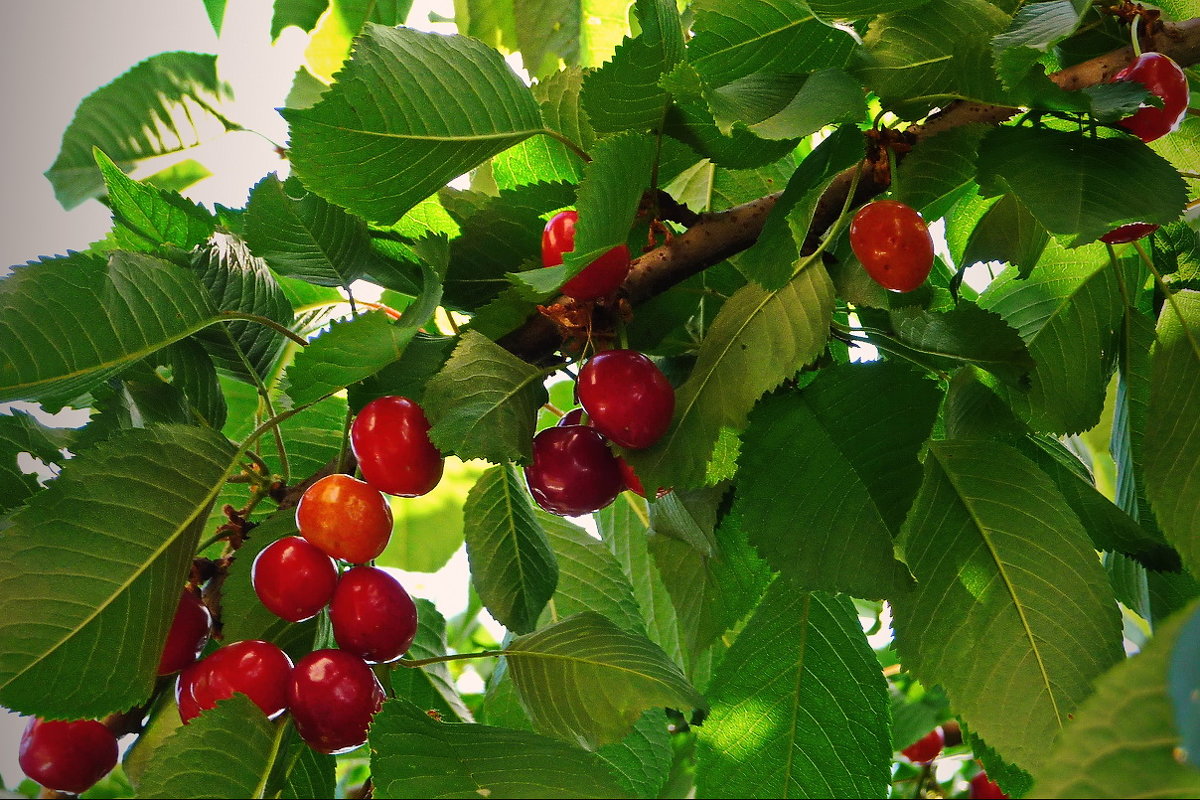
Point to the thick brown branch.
(717, 236)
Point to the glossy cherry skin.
(927, 748)
(257, 669)
(893, 244)
(293, 578)
(67, 756)
(372, 615)
(983, 788)
(1163, 77)
(626, 397)
(190, 628)
(333, 696)
(1129, 233)
(345, 517)
(573, 472)
(600, 278)
(390, 439)
(632, 482)
(572, 417)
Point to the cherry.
(1129, 233)
(67, 756)
(573, 472)
(893, 244)
(189, 632)
(346, 518)
(390, 439)
(293, 578)
(632, 482)
(372, 615)
(602, 277)
(984, 788)
(572, 417)
(1162, 77)
(333, 695)
(926, 748)
(253, 667)
(626, 397)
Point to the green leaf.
(641, 761)
(493, 23)
(216, 14)
(1080, 186)
(430, 686)
(117, 312)
(624, 94)
(147, 217)
(1067, 312)
(85, 603)
(348, 352)
(1123, 741)
(788, 106)
(1032, 33)
(302, 14)
(340, 23)
(1008, 233)
(167, 103)
(420, 109)
(1183, 677)
(933, 176)
(930, 56)
(579, 32)
(178, 176)
(734, 39)
(414, 756)
(860, 9)
(235, 734)
(1011, 608)
(586, 681)
(966, 333)
(428, 530)
(422, 359)
(758, 340)
(541, 159)
(21, 432)
(311, 776)
(1172, 463)
(484, 403)
(798, 689)
(192, 371)
(302, 236)
(589, 577)
(825, 514)
(512, 565)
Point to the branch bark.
(717, 236)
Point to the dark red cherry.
(927, 748)
(333, 696)
(293, 578)
(572, 417)
(390, 439)
(1162, 77)
(189, 632)
(1129, 233)
(345, 517)
(983, 788)
(67, 756)
(893, 244)
(257, 669)
(573, 472)
(372, 615)
(627, 398)
(600, 278)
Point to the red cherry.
(627, 398)
(189, 632)
(572, 417)
(67, 756)
(573, 472)
(372, 615)
(293, 578)
(1162, 77)
(602, 277)
(632, 482)
(333, 695)
(390, 439)
(893, 244)
(1129, 233)
(926, 748)
(983, 788)
(253, 667)
(346, 518)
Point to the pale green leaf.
(1183, 677)
(1012, 609)
(798, 691)
(430, 686)
(1123, 740)
(512, 565)
(589, 577)
(789, 106)
(965, 333)
(331, 37)
(419, 109)
(1032, 33)
(641, 761)
(428, 530)
(487, 21)
(542, 159)
(147, 217)
(415, 756)
(484, 403)
(85, 603)
(577, 32)
(759, 339)
(586, 681)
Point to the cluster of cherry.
(923, 752)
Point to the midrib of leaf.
(146, 563)
(1008, 585)
(508, 396)
(574, 659)
(924, 63)
(800, 651)
(477, 137)
(748, 42)
(512, 528)
(269, 764)
(1060, 307)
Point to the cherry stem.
(570, 144)
(266, 321)
(553, 409)
(1133, 33)
(424, 662)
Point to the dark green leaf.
(350, 351)
(1183, 676)
(20, 432)
(147, 217)
(589, 577)
(1008, 233)
(311, 776)
(640, 762)
(933, 176)
(788, 106)
(966, 333)
(431, 686)
(860, 9)
(541, 159)
(303, 14)
(1032, 33)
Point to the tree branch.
(717, 236)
